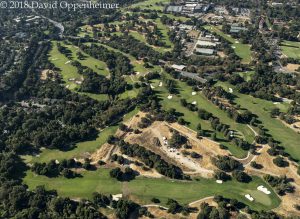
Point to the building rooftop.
(205, 51)
(178, 67)
(205, 43)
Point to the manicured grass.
(291, 49)
(242, 50)
(97, 66)
(68, 71)
(193, 119)
(164, 30)
(92, 181)
(61, 61)
(143, 189)
(80, 148)
(289, 138)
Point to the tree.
(280, 162)
(241, 176)
(68, 173)
(255, 165)
(214, 136)
(177, 140)
(155, 200)
(123, 127)
(221, 175)
(101, 200)
(199, 126)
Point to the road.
(55, 23)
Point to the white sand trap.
(236, 41)
(170, 97)
(194, 93)
(67, 62)
(67, 86)
(276, 103)
(152, 87)
(117, 197)
(249, 197)
(263, 189)
(54, 59)
(219, 181)
(137, 73)
(233, 47)
(160, 84)
(230, 90)
(194, 102)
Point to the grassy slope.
(291, 49)
(289, 138)
(144, 188)
(242, 50)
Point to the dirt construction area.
(162, 131)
